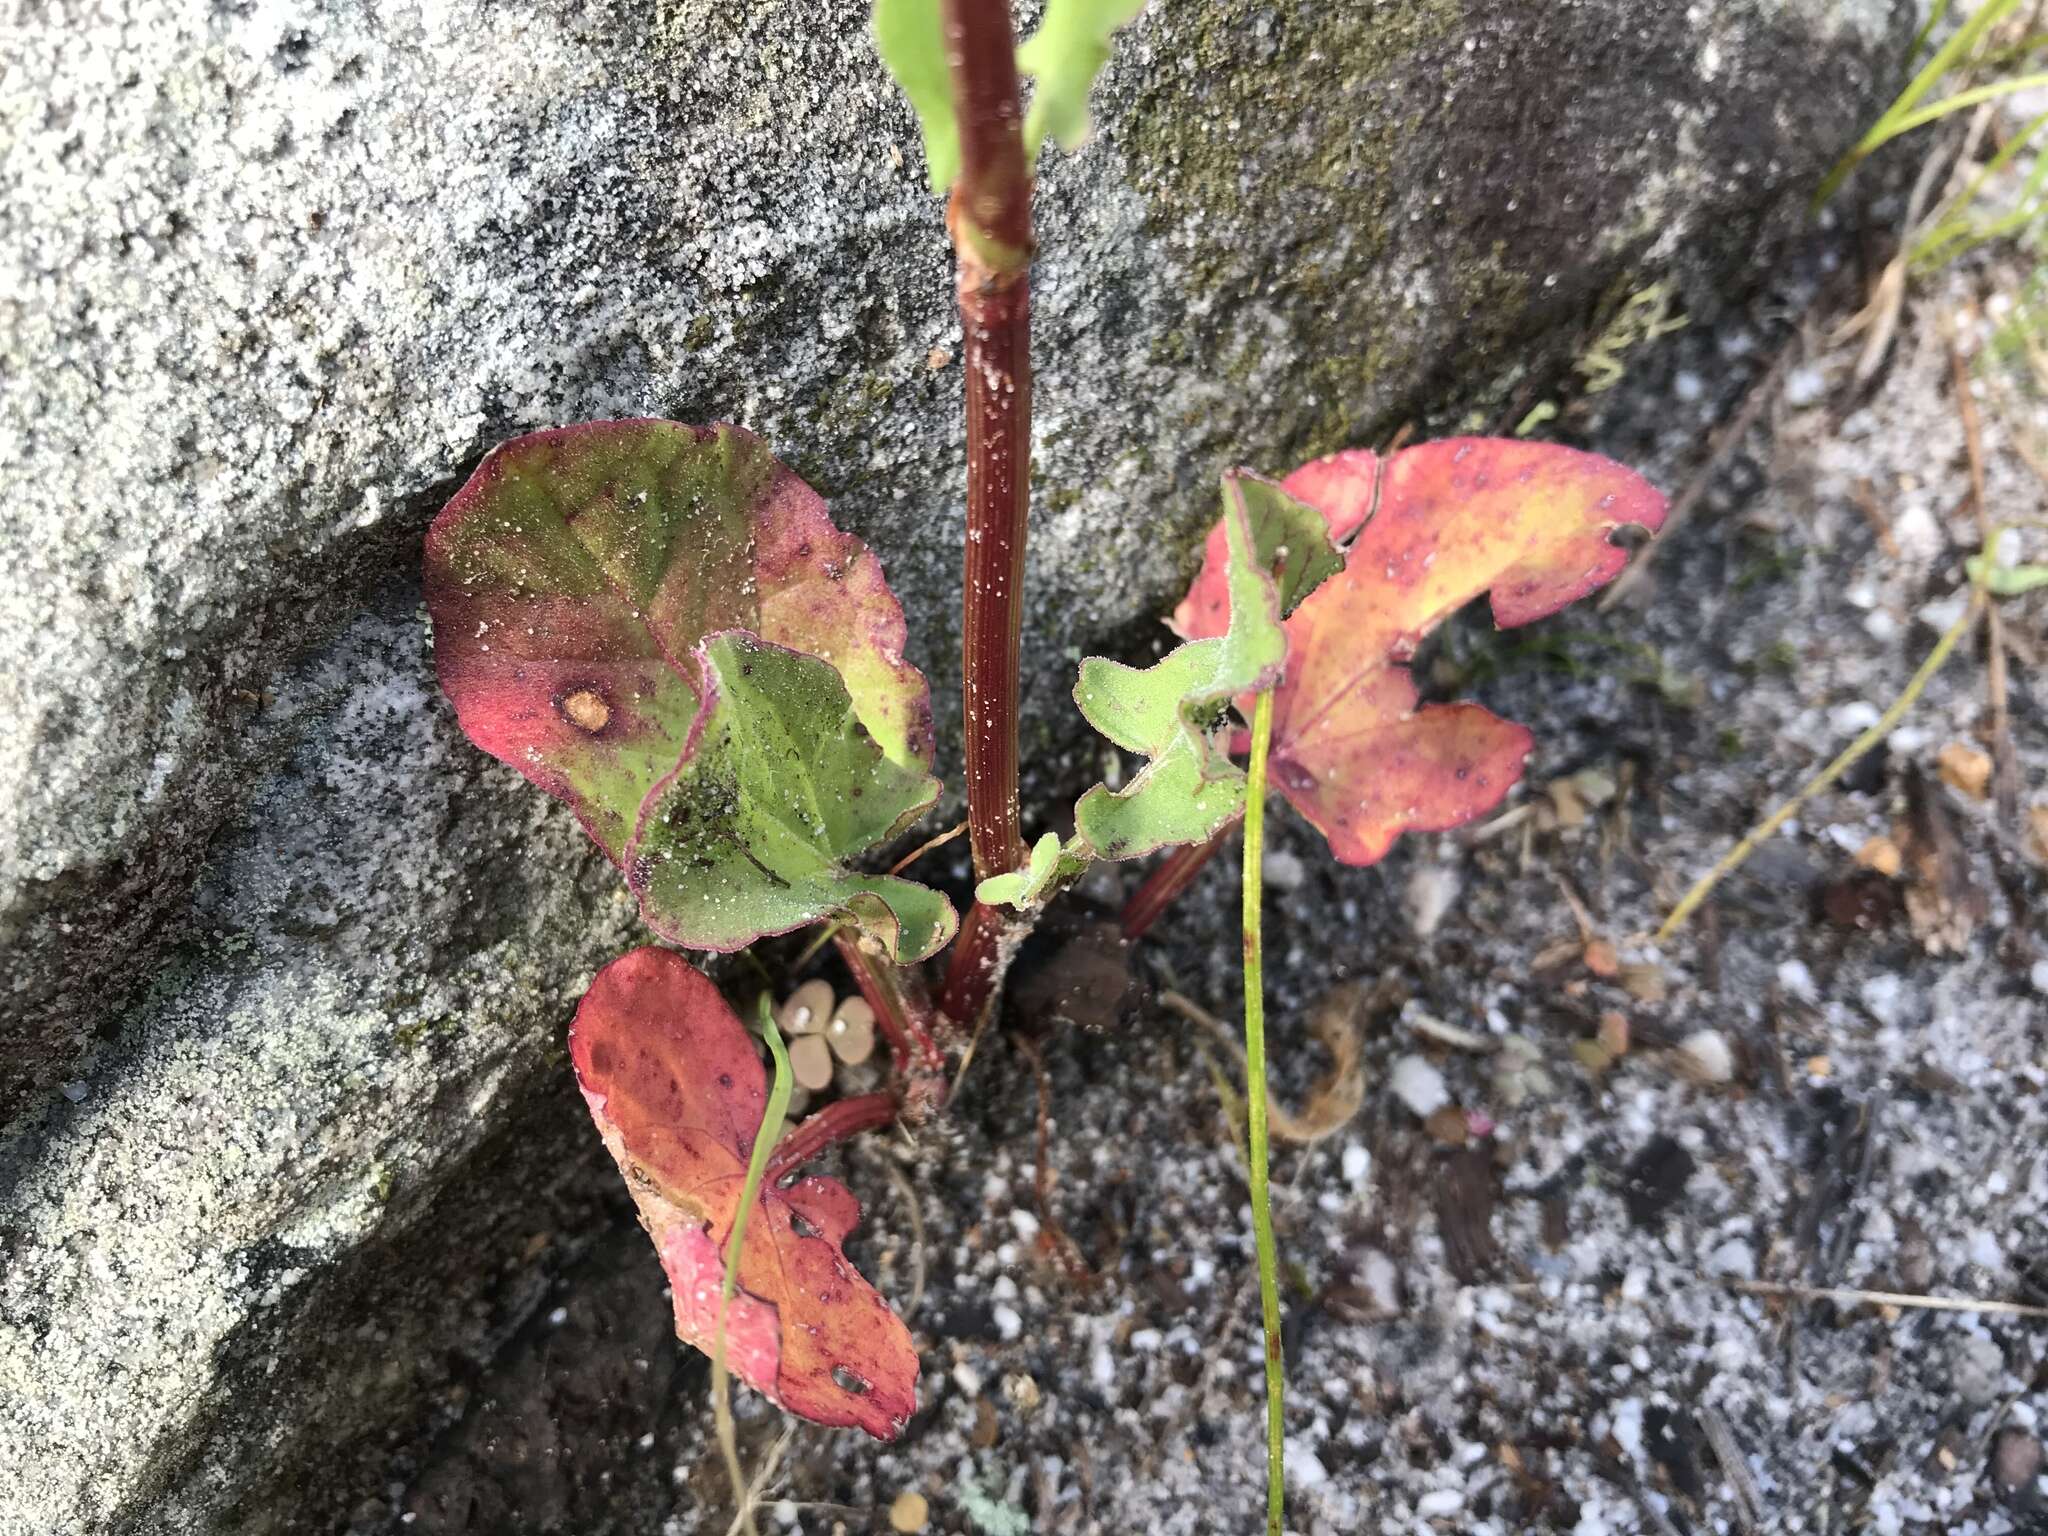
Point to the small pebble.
(1704, 1057)
(1429, 894)
(1854, 718)
(1797, 980)
(1282, 870)
(1965, 768)
(910, 1512)
(1977, 1369)
(1419, 1085)
(1804, 387)
(2016, 1459)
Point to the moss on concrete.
(1237, 138)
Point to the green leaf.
(1174, 712)
(573, 575)
(1063, 57)
(780, 786)
(2005, 580)
(1028, 886)
(912, 43)
(1290, 538)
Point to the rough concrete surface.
(285, 961)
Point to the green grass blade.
(1934, 19)
(1969, 98)
(1895, 120)
(1934, 248)
(1255, 1113)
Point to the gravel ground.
(1514, 1275)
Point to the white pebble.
(1008, 1323)
(1734, 1258)
(1358, 1161)
(1804, 387)
(1282, 870)
(1797, 980)
(1428, 895)
(1419, 1085)
(1304, 1470)
(1628, 1427)
(1854, 718)
(1440, 1501)
(1706, 1058)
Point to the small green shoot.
(757, 1166)
(764, 1139)
(1029, 886)
(2000, 580)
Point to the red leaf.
(1528, 521)
(673, 1083)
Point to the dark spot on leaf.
(584, 708)
(725, 1079)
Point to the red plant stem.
(904, 1015)
(1169, 878)
(841, 1120)
(989, 219)
(979, 959)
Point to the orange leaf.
(1436, 525)
(674, 1085)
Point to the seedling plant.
(661, 625)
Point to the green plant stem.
(1846, 759)
(1255, 1112)
(757, 1166)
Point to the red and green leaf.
(575, 584)
(1431, 528)
(677, 1091)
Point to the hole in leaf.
(850, 1381)
(802, 1226)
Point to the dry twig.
(2005, 765)
(1849, 1297)
(1843, 762)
